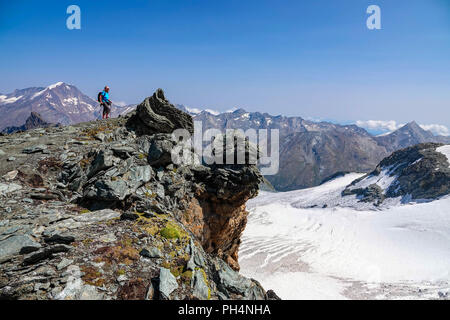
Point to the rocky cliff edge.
(99, 211)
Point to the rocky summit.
(98, 211)
(416, 173)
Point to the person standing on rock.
(103, 98)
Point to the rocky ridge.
(98, 211)
(419, 172)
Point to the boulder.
(201, 290)
(157, 115)
(159, 154)
(102, 161)
(167, 283)
(18, 244)
(152, 252)
(35, 149)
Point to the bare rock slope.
(98, 211)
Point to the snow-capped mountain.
(408, 135)
(311, 152)
(58, 103)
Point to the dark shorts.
(106, 107)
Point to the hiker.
(103, 98)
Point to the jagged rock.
(196, 259)
(139, 175)
(150, 292)
(219, 210)
(35, 149)
(55, 237)
(10, 175)
(160, 150)
(132, 216)
(167, 283)
(6, 188)
(418, 172)
(271, 295)
(75, 289)
(43, 196)
(117, 188)
(156, 115)
(201, 290)
(231, 281)
(46, 253)
(123, 152)
(102, 161)
(108, 190)
(64, 263)
(16, 244)
(151, 253)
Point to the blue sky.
(314, 59)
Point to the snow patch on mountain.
(55, 85)
(5, 100)
(384, 180)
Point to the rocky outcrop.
(99, 211)
(415, 173)
(34, 121)
(157, 115)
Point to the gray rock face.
(201, 290)
(167, 283)
(232, 281)
(418, 172)
(160, 150)
(18, 244)
(372, 193)
(45, 253)
(110, 190)
(102, 161)
(408, 135)
(9, 187)
(156, 115)
(118, 188)
(152, 252)
(35, 149)
(197, 258)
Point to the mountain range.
(58, 103)
(310, 152)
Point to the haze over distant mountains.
(310, 152)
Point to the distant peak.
(412, 125)
(239, 111)
(55, 85)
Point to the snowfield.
(306, 251)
